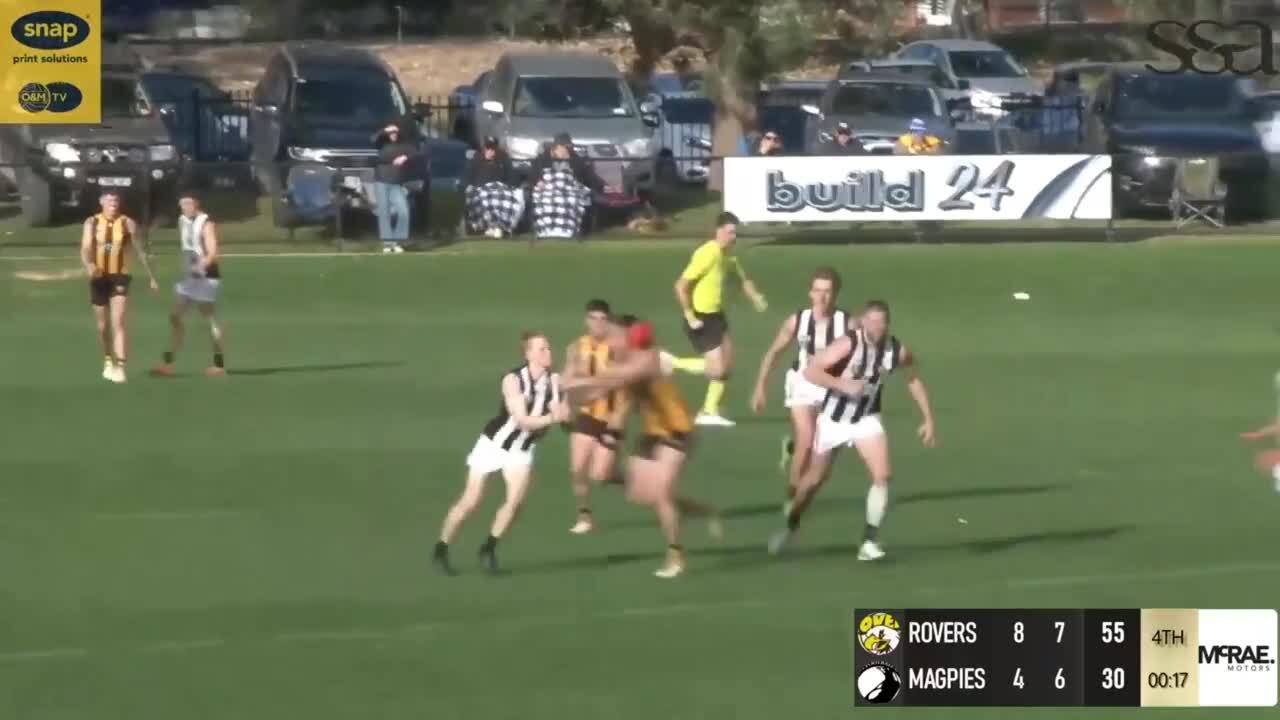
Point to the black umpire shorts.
(597, 429)
(105, 287)
(715, 326)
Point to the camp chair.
(1198, 192)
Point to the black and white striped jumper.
(810, 339)
(540, 398)
(867, 361)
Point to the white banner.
(896, 188)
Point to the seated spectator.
(494, 202)
(844, 143)
(770, 144)
(563, 185)
(918, 141)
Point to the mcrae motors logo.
(1239, 658)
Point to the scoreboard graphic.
(1043, 658)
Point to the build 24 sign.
(52, 61)
(873, 188)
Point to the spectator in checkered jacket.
(563, 186)
(495, 203)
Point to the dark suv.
(311, 127)
(55, 167)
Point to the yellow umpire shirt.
(706, 272)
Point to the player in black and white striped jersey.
(531, 403)
(811, 329)
(853, 370)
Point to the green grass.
(257, 548)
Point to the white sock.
(877, 504)
(1275, 473)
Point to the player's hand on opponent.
(926, 434)
(847, 386)
(757, 400)
(561, 412)
(694, 322)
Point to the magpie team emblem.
(879, 684)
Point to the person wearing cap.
(563, 184)
(917, 140)
(844, 143)
(494, 202)
(397, 159)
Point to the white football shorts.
(831, 434)
(799, 392)
(198, 289)
(488, 456)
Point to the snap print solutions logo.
(52, 56)
(1209, 47)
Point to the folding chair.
(1198, 192)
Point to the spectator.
(398, 163)
(917, 140)
(563, 184)
(844, 142)
(770, 144)
(494, 202)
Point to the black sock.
(676, 548)
(442, 548)
(490, 544)
(168, 358)
(584, 512)
(793, 520)
(871, 533)
(218, 360)
(791, 446)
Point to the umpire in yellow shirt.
(699, 290)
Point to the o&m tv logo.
(879, 633)
(56, 97)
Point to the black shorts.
(596, 428)
(648, 443)
(711, 335)
(105, 287)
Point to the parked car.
(462, 108)
(314, 114)
(531, 97)
(951, 90)
(209, 127)
(1268, 126)
(1066, 96)
(779, 107)
(677, 84)
(60, 167)
(684, 138)
(448, 163)
(879, 107)
(1146, 121)
(994, 77)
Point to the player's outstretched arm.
(86, 247)
(1262, 433)
(780, 343)
(514, 400)
(636, 366)
(140, 251)
(818, 371)
(752, 292)
(920, 394)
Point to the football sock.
(442, 549)
(584, 512)
(168, 358)
(695, 365)
(793, 519)
(108, 360)
(218, 360)
(1275, 473)
(715, 393)
(490, 544)
(877, 503)
(791, 447)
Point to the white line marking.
(421, 628)
(52, 654)
(182, 645)
(332, 635)
(1153, 575)
(175, 515)
(686, 608)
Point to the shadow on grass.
(976, 492)
(317, 368)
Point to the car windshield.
(985, 64)
(792, 96)
(122, 97)
(570, 97)
(1143, 98)
(688, 111)
(894, 99)
(364, 98)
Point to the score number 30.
(1113, 634)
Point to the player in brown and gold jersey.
(108, 238)
(653, 470)
(597, 424)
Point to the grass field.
(257, 547)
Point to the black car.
(66, 167)
(311, 125)
(1146, 120)
(207, 125)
